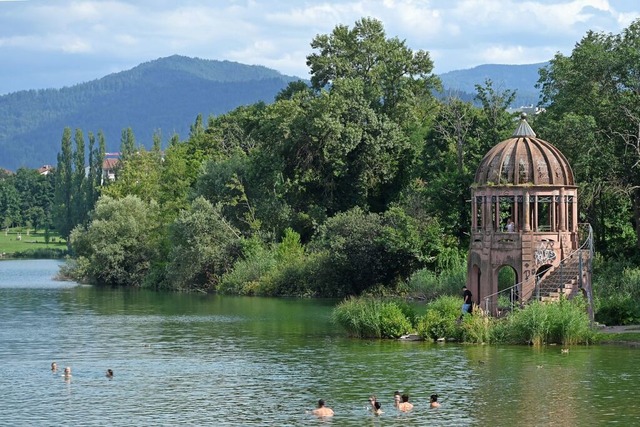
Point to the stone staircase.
(564, 279)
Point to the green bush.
(618, 309)
(247, 272)
(393, 321)
(441, 319)
(371, 318)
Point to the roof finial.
(523, 130)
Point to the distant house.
(45, 169)
(109, 166)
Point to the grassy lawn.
(10, 243)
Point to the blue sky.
(56, 43)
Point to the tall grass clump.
(563, 322)
(570, 322)
(371, 318)
(478, 328)
(441, 319)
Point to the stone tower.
(527, 182)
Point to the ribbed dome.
(524, 159)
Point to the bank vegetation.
(355, 183)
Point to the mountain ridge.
(167, 94)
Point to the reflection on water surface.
(218, 360)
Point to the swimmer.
(67, 373)
(372, 401)
(396, 399)
(322, 411)
(109, 373)
(405, 406)
(434, 401)
(54, 367)
(377, 408)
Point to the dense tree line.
(356, 182)
(26, 199)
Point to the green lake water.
(240, 361)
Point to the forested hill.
(521, 78)
(168, 93)
(165, 94)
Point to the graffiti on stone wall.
(545, 254)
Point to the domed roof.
(524, 159)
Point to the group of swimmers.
(67, 371)
(400, 402)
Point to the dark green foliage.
(41, 253)
(201, 242)
(618, 309)
(358, 254)
(617, 291)
(26, 199)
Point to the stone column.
(526, 214)
(562, 218)
(488, 225)
(553, 218)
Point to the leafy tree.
(599, 82)
(496, 124)
(94, 178)
(363, 250)
(392, 75)
(138, 176)
(9, 204)
(35, 193)
(120, 243)
(391, 86)
(201, 241)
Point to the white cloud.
(106, 36)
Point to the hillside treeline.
(360, 180)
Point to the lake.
(215, 360)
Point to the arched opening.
(507, 287)
(541, 272)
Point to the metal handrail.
(513, 290)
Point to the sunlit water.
(232, 361)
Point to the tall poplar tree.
(62, 211)
(78, 184)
